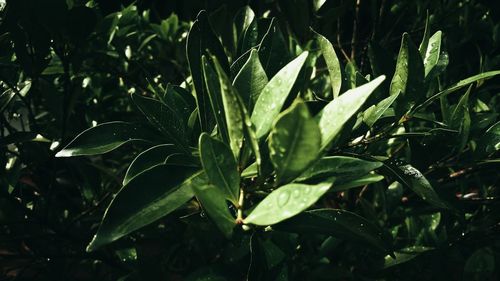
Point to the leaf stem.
(241, 201)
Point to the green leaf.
(460, 119)
(433, 51)
(251, 80)
(200, 39)
(456, 87)
(105, 137)
(412, 178)
(165, 118)
(337, 112)
(408, 78)
(274, 95)
(214, 91)
(286, 202)
(480, 265)
(153, 156)
(220, 166)
(339, 166)
(374, 112)
(338, 223)
(273, 50)
(342, 184)
(212, 200)
(405, 255)
(422, 48)
(490, 141)
(245, 25)
(332, 63)
(148, 197)
(232, 110)
(294, 142)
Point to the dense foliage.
(249, 140)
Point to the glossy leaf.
(490, 141)
(433, 51)
(337, 112)
(104, 138)
(146, 198)
(286, 202)
(374, 112)
(460, 119)
(337, 223)
(251, 80)
(346, 183)
(214, 91)
(220, 166)
(456, 87)
(212, 200)
(412, 178)
(405, 255)
(339, 166)
(332, 63)
(274, 95)
(408, 78)
(232, 109)
(165, 118)
(294, 142)
(200, 39)
(153, 156)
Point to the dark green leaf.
(338, 223)
(146, 198)
(212, 200)
(220, 167)
(332, 63)
(104, 138)
(251, 80)
(165, 118)
(374, 112)
(405, 255)
(286, 202)
(294, 142)
(490, 141)
(408, 79)
(273, 50)
(200, 39)
(339, 166)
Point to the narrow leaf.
(274, 95)
(273, 50)
(336, 113)
(294, 142)
(374, 112)
(220, 166)
(105, 137)
(408, 78)
(332, 63)
(202, 38)
(286, 202)
(433, 52)
(456, 87)
(339, 166)
(338, 223)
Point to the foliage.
(305, 140)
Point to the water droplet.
(283, 198)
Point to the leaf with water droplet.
(338, 223)
(294, 142)
(337, 112)
(274, 95)
(332, 63)
(251, 80)
(282, 203)
(408, 79)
